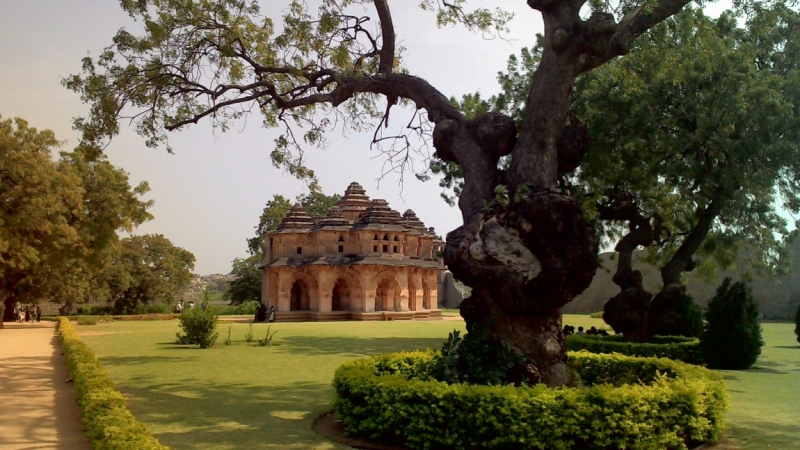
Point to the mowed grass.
(765, 400)
(248, 397)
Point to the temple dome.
(354, 202)
(297, 219)
(412, 222)
(334, 219)
(379, 212)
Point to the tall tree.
(149, 269)
(34, 199)
(670, 129)
(59, 217)
(525, 247)
(247, 283)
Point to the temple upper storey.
(356, 229)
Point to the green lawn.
(250, 397)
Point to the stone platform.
(313, 316)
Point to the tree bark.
(663, 316)
(628, 311)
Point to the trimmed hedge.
(126, 318)
(107, 421)
(620, 402)
(677, 348)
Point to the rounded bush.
(199, 327)
(732, 336)
(618, 402)
(677, 348)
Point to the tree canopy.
(59, 218)
(525, 247)
(149, 269)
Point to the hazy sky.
(210, 193)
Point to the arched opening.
(387, 296)
(385, 237)
(340, 298)
(299, 300)
(426, 295)
(412, 296)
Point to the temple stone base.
(314, 316)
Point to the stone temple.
(364, 261)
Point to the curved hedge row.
(673, 347)
(621, 402)
(107, 421)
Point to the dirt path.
(37, 404)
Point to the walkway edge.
(106, 419)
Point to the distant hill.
(778, 298)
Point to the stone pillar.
(433, 285)
(325, 281)
(402, 280)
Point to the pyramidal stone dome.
(412, 222)
(379, 212)
(297, 219)
(334, 219)
(354, 202)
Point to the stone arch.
(299, 299)
(387, 295)
(340, 297)
(303, 287)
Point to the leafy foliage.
(625, 402)
(199, 327)
(59, 218)
(691, 319)
(149, 270)
(674, 122)
(474, 359)
(672, 347)
(797, 323)
(732, 336)
(108, 423)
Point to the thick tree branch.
(681, 261)
(387, 35)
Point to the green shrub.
(689, 320)
(620, 402)
(596, 315)
(473, 359)
(108, 423)
(677, 348)
(732, 336)
(247, 308)
(797, 323)
(87, 320)
(199, 327)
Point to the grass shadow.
(353, 346)
(231, 415)
(778, 436)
